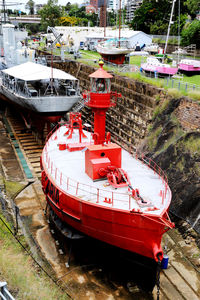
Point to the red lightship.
(100, 189)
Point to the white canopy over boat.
(30, 71)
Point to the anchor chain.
(158, 277)
(130, 186)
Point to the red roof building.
(94, 3)
(90, 9)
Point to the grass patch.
(156, 112)
(158, 40)
(174, 93)
(180, 164)
(160, 108)
(137, 60)
(178, 132)
(195, 95)
(24, 280)
(195, 79)
(192, 144)
(137, 76)
(90, 54)
(197, 168)
(152, 139)
(13, 188)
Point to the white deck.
(67, 170)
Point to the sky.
(22, 4)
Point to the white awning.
(30, 71)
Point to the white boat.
(180, 51)
(152, 48)
(113, 46)
(114, 50)
(39, 89)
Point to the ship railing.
(152, 165)
(113, 98)
(52, 131)
(24, 88)
(148, 161)
(104, 196)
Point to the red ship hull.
(134, 232)
(117, 59)
(83, 174)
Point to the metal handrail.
(4, 293)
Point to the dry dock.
(181, 280)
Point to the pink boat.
(166, 70)
(189, 66)
(153, 65)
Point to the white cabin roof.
(30, 71)
(79, 34)
(110, 33)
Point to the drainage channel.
(17, 148)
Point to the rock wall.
(174, 143)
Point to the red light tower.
(100, 99)
(103, 157)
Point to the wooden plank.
(180, 283)
(34, 147)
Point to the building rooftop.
(79, 34)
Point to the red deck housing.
(101, 156)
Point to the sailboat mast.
(4, 11)
(179, 13)
(104, 12)
(51, 80)
(170, 22)
(119, 21)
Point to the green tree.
(111, 18)
(32, 28)
(193, 7)
(50, 14)
(73, 10)
(150, 12)
(155, 14)
(30, 5)
(191, 34)
(94, 20)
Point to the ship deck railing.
(28, 89)
(106, 197)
